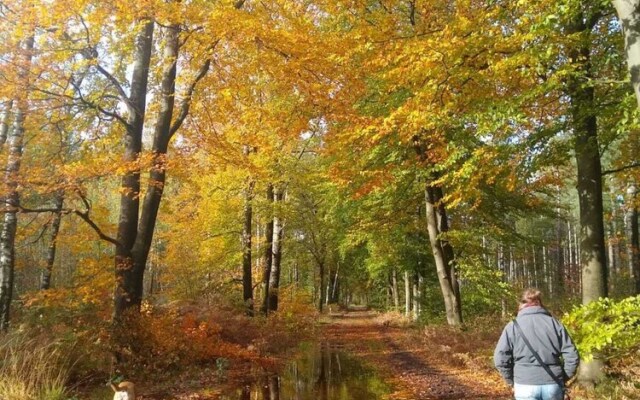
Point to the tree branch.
(615, 170)
(114, 82)
(85, 217)
(185, 104)
(93, 105)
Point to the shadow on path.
(401, 356)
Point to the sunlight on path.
(404, 359)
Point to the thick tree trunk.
(126, 294)
(278, 231)
(629, 15)
(443, 255)
(268, 254)
(587, 151)
(56, 219)
(157, 174)
(15, 141)
(247, 281)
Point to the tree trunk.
(268, 254)
(336, 284)
(407, 294)
(634, 240)
(320, 298)
(4, 122)
(613, 242)
(278, 231)
(416, 297)
(443, 255)
(247, 281)
(126, 293)
(157, 174)
(629, 15)
(587, 151)
(559, 271)
(394, 288)
(45, 283)
(15, 141)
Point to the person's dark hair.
(531, 297)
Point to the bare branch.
(99, 108)
(114, 82)
(626, 167)
(185, 104)
(85, 216)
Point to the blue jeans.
(538, 392)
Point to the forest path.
(417, 366)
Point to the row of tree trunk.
(272, 256)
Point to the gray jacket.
(548, 338)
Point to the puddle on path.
(320, 372)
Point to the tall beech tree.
(137, 221)
(589, 170)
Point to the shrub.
(606, 327)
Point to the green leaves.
(608, 328)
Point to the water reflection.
(321, 373)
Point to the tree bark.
(247, 281)
(268, 254)
(629, 14)
(634, 240)
(443, 255)
(157, 174)
(587, 152)
(589, 169)
(416, 297)
(559, 271)
(126, 294)
(320, 297)
(15, 141)
(336, 285)
(4, 122)
(407, 294)
(278, 231)
(394, 288)
(45, 283)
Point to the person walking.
(535, 354)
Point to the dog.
(123, 390)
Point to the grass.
(30, 370)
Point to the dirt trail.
(416, 367)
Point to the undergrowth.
(32, 370)
(161, 343)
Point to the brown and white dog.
(123, 390)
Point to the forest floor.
(431, 363)
(437, 363)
